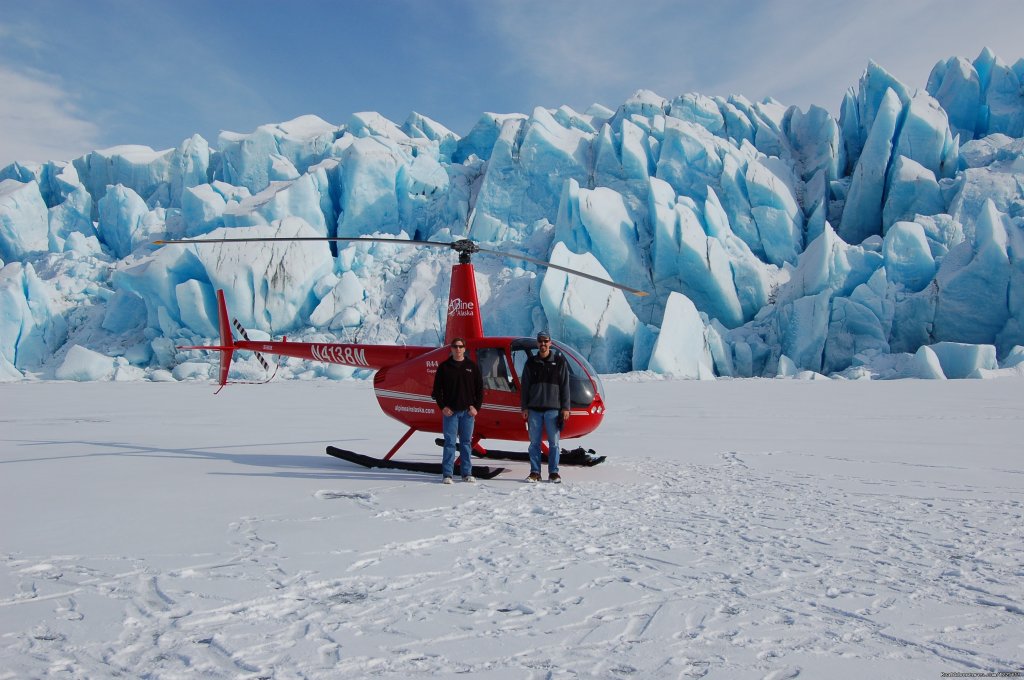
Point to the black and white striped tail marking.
(245, 336)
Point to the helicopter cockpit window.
(494, 369)
(581, 387)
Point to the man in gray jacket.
(545, 404)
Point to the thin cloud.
(591, 52)
(38, 121)
(800, 52)
(62, 97)
(242, 66)
(810, 52)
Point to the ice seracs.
(139, 168)
(81, 364)
(907, 257)
(968, 270)
(962, 360)
(298, 197)
(681, 349)
(773, 240)
(982, 97)
(126, 222)
(31, 326)
(24, 226)
(586, 314)
(245, 158)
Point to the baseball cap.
(543, 335)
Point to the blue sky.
(77, 76)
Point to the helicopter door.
(494, 369)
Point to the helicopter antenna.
(464, 247)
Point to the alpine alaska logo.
(457, 307)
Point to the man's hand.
(565, 416)
(526, 414)
(473, 411)
(447, 411)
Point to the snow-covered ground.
(740, 529)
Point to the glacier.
(774, 241)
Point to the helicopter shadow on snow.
(283, 465)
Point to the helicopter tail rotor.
(227, 342)
(228, 346)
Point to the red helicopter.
(405, 374)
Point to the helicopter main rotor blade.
(575, 272)
(265, 239)
(463, 246)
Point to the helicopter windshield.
(584, 383)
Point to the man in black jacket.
(545, 404)
(459, 393)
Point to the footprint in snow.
(328, 494)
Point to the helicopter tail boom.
(372, 357)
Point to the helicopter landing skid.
(578, 456)
(479, 471)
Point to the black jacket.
(458, 385)
(545, 383)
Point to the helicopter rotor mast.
(464, 319)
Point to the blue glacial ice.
(981, 97)
(682, 349)
(24, 224)
(772, 240)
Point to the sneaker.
(555, 478)
(446, 480)
(534, 477)
(468, 478)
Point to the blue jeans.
(548, 420)
(458, 424)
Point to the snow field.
(740, 529)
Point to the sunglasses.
(458, 347)
(543, 342)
